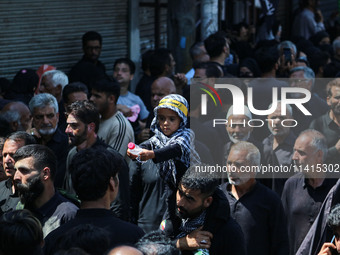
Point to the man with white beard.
(256, 208)
(278, 146)
(238, 130)
(45, 113)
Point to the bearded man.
(35, 166)
(45, 112)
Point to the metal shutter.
(36, 32)
(147, 26)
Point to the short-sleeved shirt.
(131, 99)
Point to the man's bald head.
(24, 112)
(125, 250)
(160, 88)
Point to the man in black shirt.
(278, 146)
(329, 123)
(304, 193)
(8, 197)
(82, 128)
(96, 183)
(255, 207)
(45, 113)
(202, 222)
(35, 166)
(92, 46)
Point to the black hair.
(5, 127)
(20, 233)
(266, 58)
(127, 61)
(156, 242)
(86, 112)
(108, 87)
(72, 88)
(194, 179)
(42, 156)
(158, 60)
(91, 36)
(211, 69)
(318, 59)
(215, 43)
(91, 239)
(22, 136)
(146, 59)
(91, 170)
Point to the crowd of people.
(70, 185)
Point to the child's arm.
(163, 154)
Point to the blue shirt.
(131, 99)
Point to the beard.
(236, 140)
(281, 132)
(238, 181)
(29, 192)
(48, 130)
(336, 109)
(184, 214)
(76, 140)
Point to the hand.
(318, 16)
(326, 249)
(197, 239)
(180, 80)
(125, 110)
(143, 135)
(146, 155)
(284, 67)
(337, 146)
(131, 156)
(34, 132)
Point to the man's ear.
(14, 125)
(46, 173)
(58, 89)
(112, 99)
(208, 201)
(91, 127)
(112, 184)
(319, 155)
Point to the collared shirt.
(331, 131)
(316, 106)
(8, 200)
(302, 203)
(54, 213)
(261, 217)
(281, 156)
